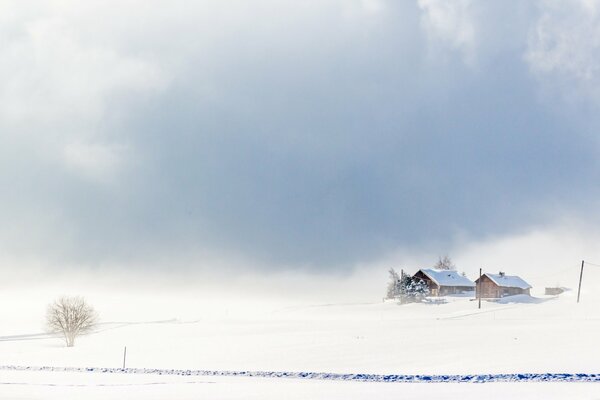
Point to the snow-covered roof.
(508, 281)
(444, 277)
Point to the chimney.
(501, 274)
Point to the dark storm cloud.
(316, 136)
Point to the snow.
(76, 386)
(447, 278)
(503, 280)
(524, 299)
(186, 344)
(326, 376)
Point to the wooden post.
(479, 285)
(124, 356)
(580, 278)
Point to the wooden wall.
(489, 290)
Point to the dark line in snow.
(101, 384)
(400, 378)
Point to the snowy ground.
(187, 331)
(48, 385)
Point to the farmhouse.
(443, 282)
(501, 285)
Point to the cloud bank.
(286, 135)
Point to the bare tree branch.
(445, 263)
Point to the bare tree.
(445, 263)
(393, 287)
(70, 316)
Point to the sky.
(296, 136)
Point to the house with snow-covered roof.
(442, 282)
(501, 285)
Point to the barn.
(443, 282)
(501, 285)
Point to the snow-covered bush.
(412, 289)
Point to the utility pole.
(479, 286)
(580, 278)
(124, 356)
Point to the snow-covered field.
(192, 331)
(32, 385)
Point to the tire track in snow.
(398, 378)
(102, 384)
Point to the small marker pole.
(124, 356)
(580, 278)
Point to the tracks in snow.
(100, 327)
(400, 378)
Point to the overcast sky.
(310, 135)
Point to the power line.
(589, 263)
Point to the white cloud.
(372, 6)
(60, 85)
(263, 127)
(54, 76)
(451, 24)
(564, 48)
(94, 161)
